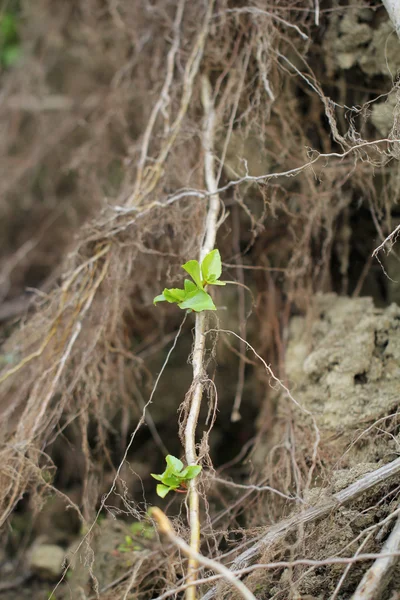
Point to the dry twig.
(376, 578)
(165, 527)
(279, 531)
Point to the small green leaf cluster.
(142, 529)
(193, 296)
(138, 530)
(175, 477)
(129, 545)
(10, 47)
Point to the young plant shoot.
(194, 296)
(175, 477)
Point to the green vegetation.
(10, 47)
(138, 530)
(193, 296)
(175, 477)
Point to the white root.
(393, 9)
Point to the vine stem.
(210, 232)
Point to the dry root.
(111, 125)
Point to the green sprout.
(10, 47)
(128, 545)
(175, 477)
(193, 296)
(139, 531)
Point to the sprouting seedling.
(10, 47)
(175, 477)
(193, 296)
(139, 531)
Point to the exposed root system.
(112, 155)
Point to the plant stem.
(210, 233)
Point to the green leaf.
(171, 480)
(11, 55)
(211, 266)
(193, 296)
(193, 268)
(190, 286)
(175, 475)
(159, 298)
(171, 295)
(174, 295)
(162, 490)
(191, 472)
(216, 282)
(136, 528)
(8, 28)
(198, 300)
(142, 529)
(174, 463)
